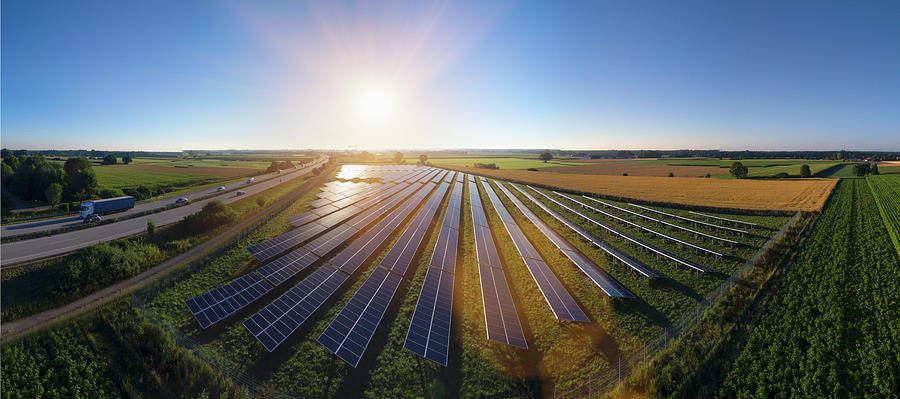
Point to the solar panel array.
(675, 258)
(636, 265)
(662, 222)
(349, 333)
(429, 331)
(603, 280)
(357, 199)
(271, 248)
(285, 267)
(561, 302)
(500, 317)
(276, 321)
(725, 220)
(221, 302)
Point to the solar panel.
(500, 316)
(485, 248)
(429, 330)
(444, 255)
(330, 240)
(269, 249)
(278, 320)
(213, 306)
(401, 254)
(561, 303)
(302, 219)
(603, 280)
(349, 333)
(285, 267)
(319, 202)
(324, 210)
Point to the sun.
(375, 105)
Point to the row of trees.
(865, 168)
(35, 178)
(276, 166)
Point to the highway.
(43, 247)
(13, 230)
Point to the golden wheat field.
(790, 195)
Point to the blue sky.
(162, 75)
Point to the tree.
(874, 169)
(861, 169)
(82, 185)
(671, 174)
(127, 159)
(366, 156)
(151, 228)
(7, 171)
(5, 152)
(738, 170)
(53, 193)
(398, 157)
(109, 159)
(423, 159)
(804, 171)
(11, 160)
(546, 156)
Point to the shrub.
(487, 166)
(110, 193)
(214, 214)
(151, 228)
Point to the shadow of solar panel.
(275, 322)
(302, 219)
(285, 267)
(349, 333)
(215, 305)
(429, 330)
(500, 316)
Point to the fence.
(608, 378)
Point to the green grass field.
(119, 178)
(793, 170)
(205, 162)
(502, 162)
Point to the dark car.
(239, 193)
(92, 218)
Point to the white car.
(250, 180)
(221, 188)
(181, 200)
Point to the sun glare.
(375, 105)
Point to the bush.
(487, 166)
(102, 264)
(213, 215)
(110, 193)
(151, 228)
(261, 202)
(738, 170)
(671, 174)
(532, 169)
(804, 171)
(109, 159)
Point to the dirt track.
(22, 327)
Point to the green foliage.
(738, 170)
(545, 156)
(276, 165)
(671, 174)
(831, 331)
(11, 160)
(110, 193)
(53, 193)
(151, 228)
(486, 165)
(213, 215)
(7, 171)
(33, 176)
(398, 157)
(109, 160)
(99, 265)
(804, 171)
(865, 168)
(886, 190)
(127, 159)
(81, 181)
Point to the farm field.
(126, 177)
(886, 190)
(793, 170)
(502, 162)
(807, 194)
(202, 163)
(636, 169)
(827, 332)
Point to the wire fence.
(608, 378)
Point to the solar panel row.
(616, 232)
(368, 192)
(275, 322)
(612, 251)
(285, 267)
(400, 256)
(429, 330)
(269, 249)
(215, 305)
(560, 301)
(725, 219)
(500, 317)
(349, 333)
(603, 280)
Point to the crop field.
(561, 353)
(636, 169)
(502, 162)
(201, 163)
(126, 176)
(809, 194)
(832, 328)
(793, 170)
(886, 190)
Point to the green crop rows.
(886, 190)
(834, 328)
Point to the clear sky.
(173, 75)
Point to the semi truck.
(104, 206)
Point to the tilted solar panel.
(213, 306)
(429, 330)
(285, 267)
(500, 316)
(349, 333)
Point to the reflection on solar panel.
(269, 249)
(401, 254)
(285, 267)
(603, 280)
(349, 333)
(275, 322)
(500, 316)
(221, 302)
(561, 303)
(429, 331)
(615, 253)
(330, 240)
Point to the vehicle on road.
(240, 193)
(105, 206)
(221, 188)
(92, 218)
(250, 180)
(181, 200)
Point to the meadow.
(125, 177)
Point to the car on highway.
(181, 200)
(240, 193)
(250, 180)
(221, 188)
(92, 218)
